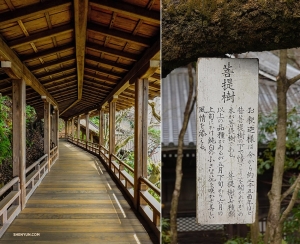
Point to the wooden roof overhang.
(79, 53)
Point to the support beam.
(106, 62)
(41, 35)
(138, 40)
(47, 52)
(19, 135)
(101, 127)
(112, 126)
(129, 10)
(103, 71)
(111, 51)
(57, 130)
(32, 10)
(53, 63)
(66, 129)
(140, 135)
(20, 70)
(47, 130)
(78, 128)
(72, 128)
(87, 128)
(80, 16)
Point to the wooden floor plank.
(76, 203)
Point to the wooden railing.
(53, 155)
(35, 177)
(149, 206)
(10, 206)
(124, 173)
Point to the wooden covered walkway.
(77, 202)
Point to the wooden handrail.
(36, 163)
(122, 163)
(54, 148)
(150, 185)
(9, 185)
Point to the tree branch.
(291, 188)
(291, 204)
(155, 115)
(293, 80)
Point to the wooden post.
(73, 130)
(78, 128)
(87, 128)
(66, 129)
(47, 130)
(101, 127)
(19, 135)
(112, 126)
(140, 135)
(92, 138)
(57, 129)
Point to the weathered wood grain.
(76, 204)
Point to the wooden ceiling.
(80, 53)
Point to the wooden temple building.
(72, 60)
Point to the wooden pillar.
(52, 127)
(19, 135)
(87, 128)
(112, 126)
(101, 127)
(78, 128)
(57, 129)
(72, 128)
(66, 129)
(47, 130)
(140, 135)
(92, 138)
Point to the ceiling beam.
(70, 83)
(62, 78)
(127, 37)
(55, 72)
(103, 71)
(101, 77)
(129, 10)
(48, 52)
(111, 51)
(34, 9)
(106, 62)
(80, 16)
(6, 54)
(41, 35)
(52, 63)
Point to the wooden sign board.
(227, 113)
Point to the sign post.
(227, 114)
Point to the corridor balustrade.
(149, 206)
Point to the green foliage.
(30, 115)
(5, 130)
(267, 129)
(165, 231)
(246, 240)
(291, 226)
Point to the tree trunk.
(176, 193)
(202, 28)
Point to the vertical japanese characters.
(226, 140)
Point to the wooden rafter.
(111, 51)
(62, 78)
(101, 78)
(55, 72)
(6, 54)
(103, 71)
(129, 10)
(142, 41)
(41, 35)
(32, 10)
(106, 62)
(47, 52)
(53, 63)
